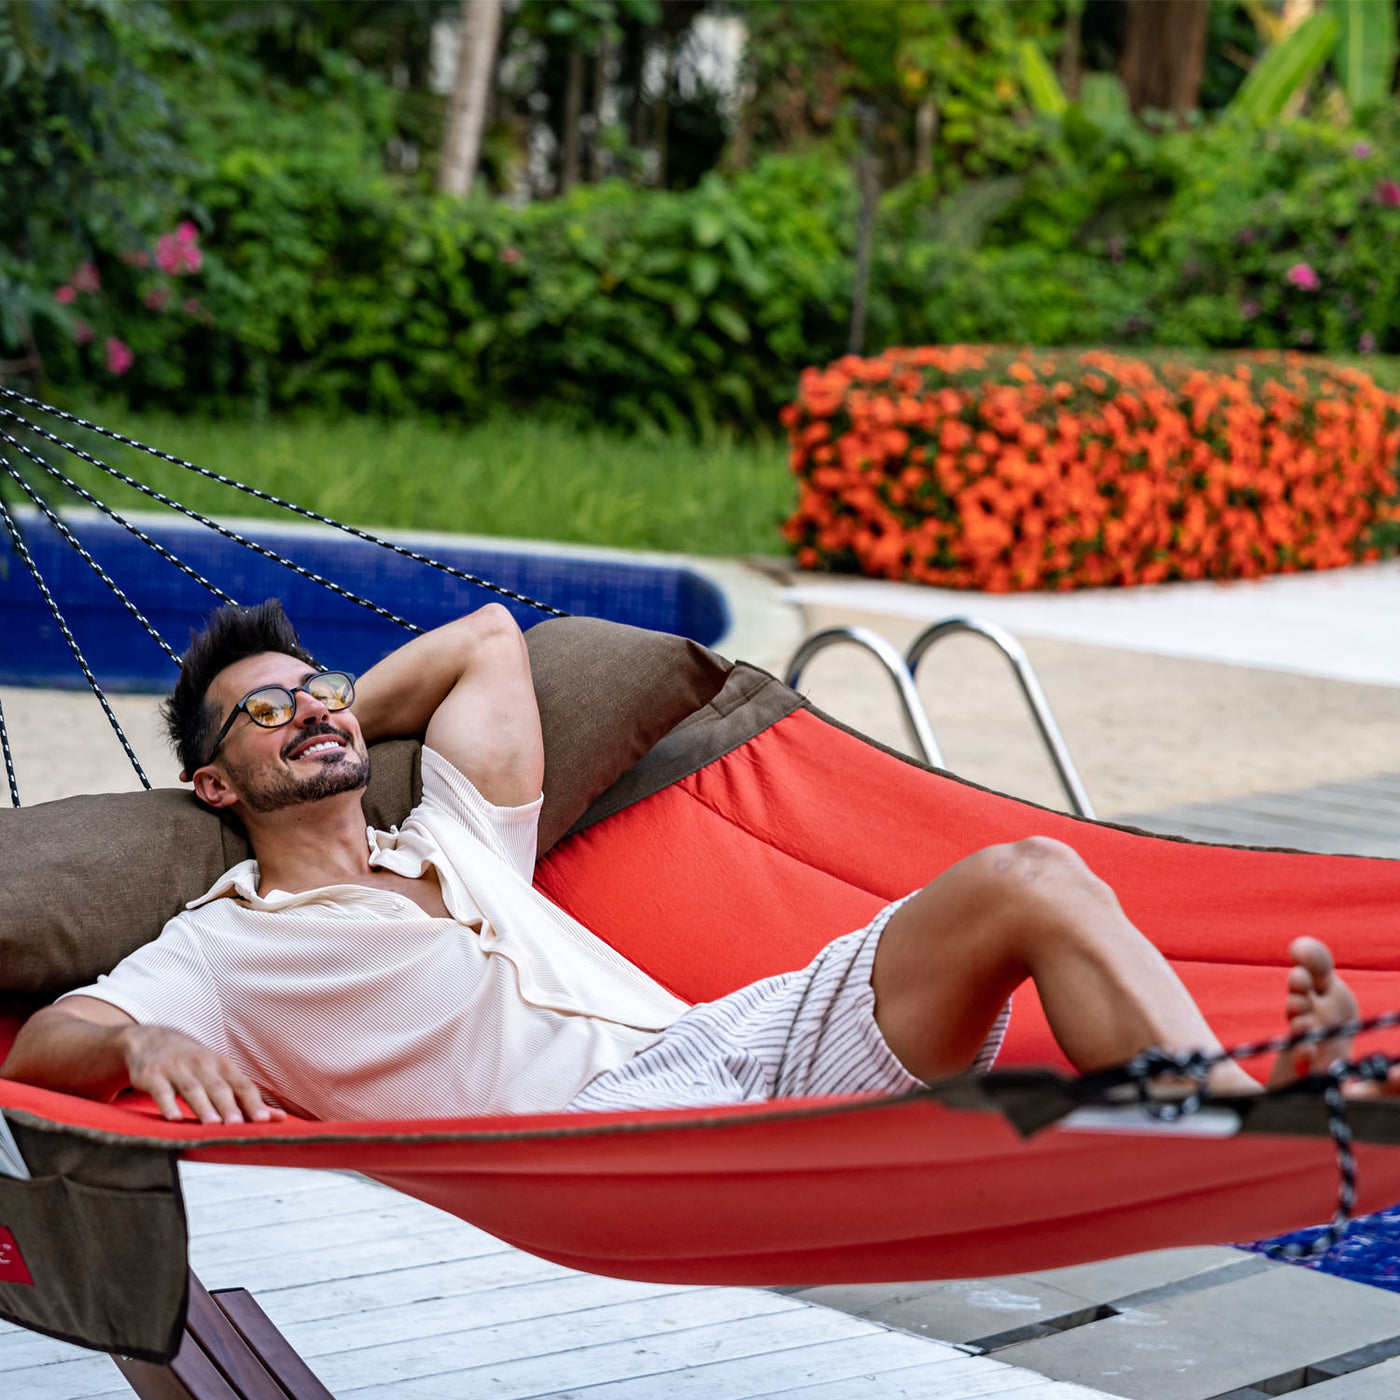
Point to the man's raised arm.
(467, 687)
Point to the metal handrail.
(915, 718)
(1030, 688)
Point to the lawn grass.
(529, 477)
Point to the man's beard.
(272, 792)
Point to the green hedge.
(327, 287)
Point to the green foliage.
(541, 477)
(1285, 69)
(1364, 56)
(88, 157)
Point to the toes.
(1314, 962)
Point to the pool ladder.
(902, 670)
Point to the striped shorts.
(800, 1034)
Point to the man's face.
(318, 754)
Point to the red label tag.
(12, 1266)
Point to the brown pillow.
(86, 880)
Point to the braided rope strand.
(223, 530)
(119, 519)
(23, 551)
(9, 759)
(87, 558)
(1195, 1065)
(271, 499)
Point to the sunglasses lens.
(334, 689)
(270, 707)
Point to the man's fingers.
(254, 1105)
(193, 1093)
(163, 1094)
(222, 1097)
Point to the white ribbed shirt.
(349, 1002)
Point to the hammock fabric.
(744, 866)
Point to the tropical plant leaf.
(1365, 54)
(1104, 101)
(1285, 68)
(1039, 80)
(965, 217)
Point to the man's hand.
(83, 1045)
(166, 1064)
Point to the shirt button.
(400, 905)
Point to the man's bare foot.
(1316, 997)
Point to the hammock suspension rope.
(1143, 1068)
(26, 424)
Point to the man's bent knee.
(1038, 869)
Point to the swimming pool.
(663, 597)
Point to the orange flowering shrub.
(1003, 470)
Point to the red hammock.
(745, 868)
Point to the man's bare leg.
(950, 957)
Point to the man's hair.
(230, 634)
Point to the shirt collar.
(386, 848)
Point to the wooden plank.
(647, 1357)
(602, 1337)
(350, 1232)
(573, 1304)
(433, 1246)
(732, 1373)
(411, 1287)
(971, 1378)
(268, 1346)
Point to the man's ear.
(213, 788)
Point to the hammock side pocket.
(93, 1247)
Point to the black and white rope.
(270, 554)
(1194, 1066)
(9, 760)
(271, 499)
(87, 558)
(22, 550)
(67, 481)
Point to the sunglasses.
(272, 706)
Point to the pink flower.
(1302, 276)
(135, 257)
(119, 356)
(1387, 193)
(156, 298)
(179, 252)
(64, 295)
(1361, 150)
(510, 255)
(1249, 310)
(192, 307)
(1367, 343)
(85, 279)
(82, 332)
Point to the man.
(417, 973)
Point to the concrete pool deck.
(1162, 715)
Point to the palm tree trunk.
(571, 145)
(466, 109)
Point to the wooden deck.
(389, 1299)
(1360, 818)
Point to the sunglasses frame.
(291, 691)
